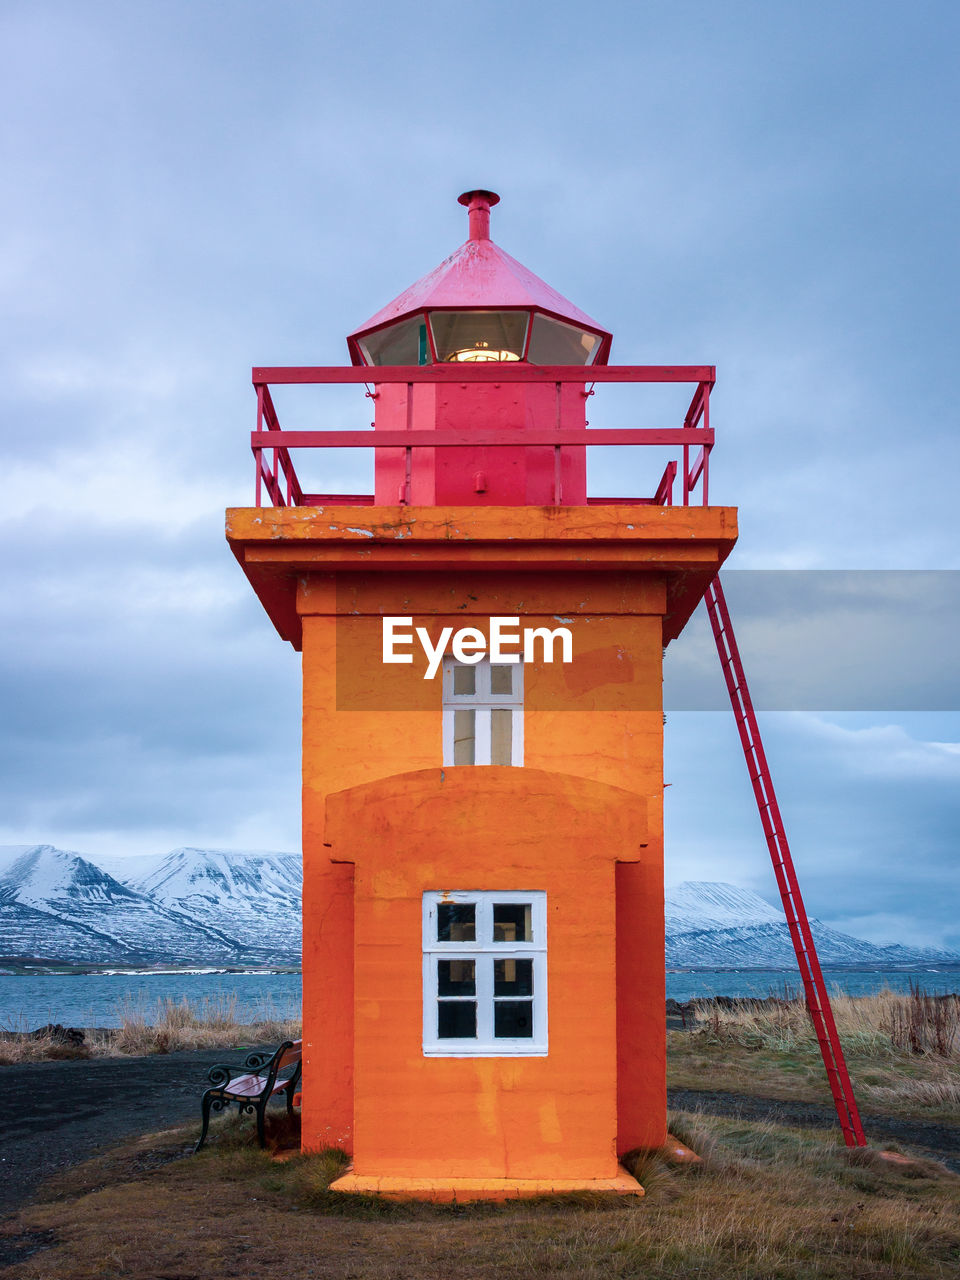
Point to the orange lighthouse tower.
(483, 947)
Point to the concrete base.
(460, 1190)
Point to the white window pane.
(464, 737)
(501, 679)
(456, 922)
(512, 922)
(457, 1020)
(513, 1020)
(464, 679)
(458, 978)
(501, 737)
(512, 978)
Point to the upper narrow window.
(482, 712)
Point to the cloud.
(885, 752)
(144, 692)
(191, 192)
(871, 811)
(828, 640)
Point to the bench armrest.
(219, 1075)
(254, 1061)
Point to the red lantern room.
(480, 306)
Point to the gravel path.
(56, 1114)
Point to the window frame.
(484, 952)
(482, 702)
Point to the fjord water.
(102, 1000)
(105, 1000)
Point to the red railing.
(276, 476)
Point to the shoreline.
(680, 1015)
(137, 998)
(52, 969)
(55, 970)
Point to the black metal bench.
(263, 1075)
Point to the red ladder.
(818, 1002)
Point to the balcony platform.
(683, 546)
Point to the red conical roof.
(479, 275)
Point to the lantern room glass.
(402, 343)
(479, 337)
(552, 342)
(474, 336)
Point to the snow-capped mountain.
(254, 897)
(720, 926)
(10, 852)
(698, 905)
(211, 906)
(58, 905)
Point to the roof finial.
(479, 204)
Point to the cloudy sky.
(194, 188)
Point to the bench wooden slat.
(252, 1086)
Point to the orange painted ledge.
(897, 1158)
(460, 1190)
(676, 1152)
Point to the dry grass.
(208, 1025)
(15, 1047)
(903, 1052)
(163, 1028)
(916, 1023)
(768, 1202)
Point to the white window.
(484, 974)
(482, 712)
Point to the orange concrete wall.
(628, 576)
(598, 719)
(641, 997)
(340, 749)
(486, 829)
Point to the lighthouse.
(482, 644)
